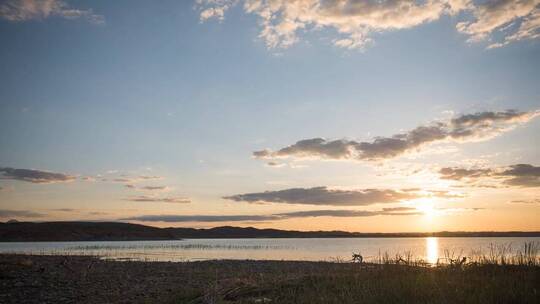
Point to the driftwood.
(357, 258)
(457, 262)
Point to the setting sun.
(426, 207)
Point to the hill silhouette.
(118, 231)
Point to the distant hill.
(115, 231)
(79, 231)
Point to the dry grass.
(494, 277)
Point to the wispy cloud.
(97, 213)
(531, 201)
(464, 128)
(154, 188)
(24, 10)
(273, 164)
(124, 178)
(199, 218)
(35, 176)
(456, 173)
(333, 197)
(501, 15)
(350, 213)
(456, 210)
(519, 175)
(395, 211)
(148, 188)
(355, 22)
(145, 198)
(65, 210)
(19, 213)
(271, 217)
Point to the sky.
(371, 116)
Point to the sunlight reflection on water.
(432, 250)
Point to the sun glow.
(426, 207)
(428, 210)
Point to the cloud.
(394, 211)
(199, 218)
(532, 201)
(149, 177)
(144, 198)
(501, 16)
(24, 10)
(273, 164)
(522, 175)
(464, 128)
(398, 211)
(271, 217)
(154, 188)
(456, 210)
(355, 22)
(529, 29)
(34, 176)
(123, 180)
(97, 213)
(65, 210)
(215, 9)
(19, 213)
(519, 175)
(461, 173)
(334, 197)
(130, 180)
(148, 188)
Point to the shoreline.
(87, 279)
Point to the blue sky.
(137, 88)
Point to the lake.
(430, 249)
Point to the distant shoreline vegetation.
(117, 231)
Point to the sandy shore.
(75, 279)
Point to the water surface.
(430, 249)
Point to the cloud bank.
(24, 10)
(35, 176)
(355, 21)
(522, 175)
(271, 217)
(519, 175)
(464, 128)
(395, 211)
(332, 197)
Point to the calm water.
(328, 249)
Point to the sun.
(426, 207)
